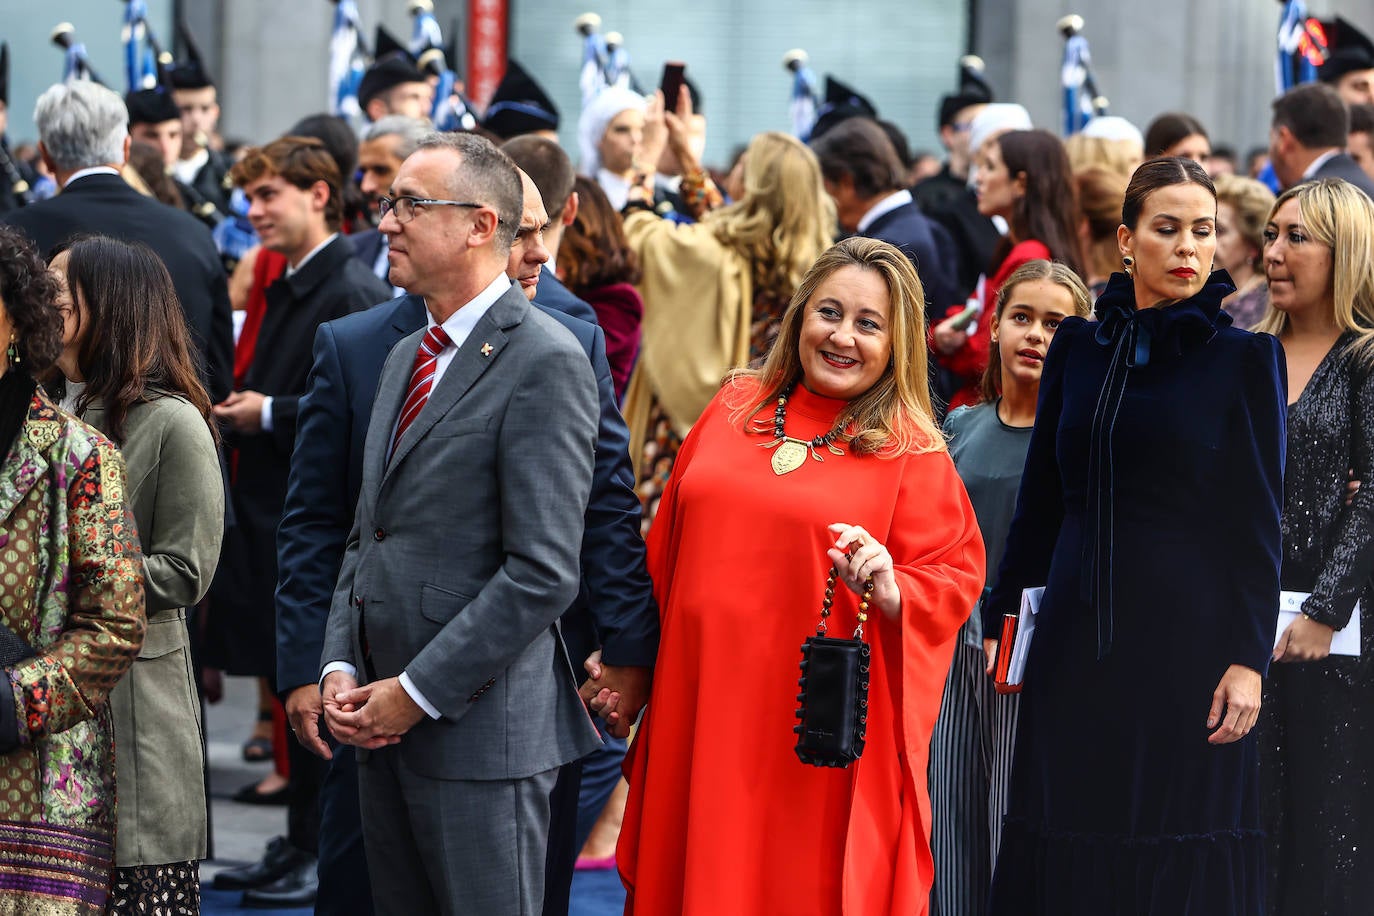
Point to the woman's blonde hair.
(1339, 216)
(895, 415)
(1058, 274)
(785, 220)
(1251, 200)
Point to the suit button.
(379, 534)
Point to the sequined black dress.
(1317, 724)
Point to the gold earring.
(1126, 264)
(12, 351)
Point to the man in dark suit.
(385, 145)
(295, 194)
(615, 604)
(865, 177)
(1308, 136)
(442, 657)
(84, 140)
(545, 163)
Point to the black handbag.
(834, 689)
(13, 648)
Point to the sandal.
(258, 748)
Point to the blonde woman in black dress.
(1317, 723)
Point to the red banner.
(487, 28)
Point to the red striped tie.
(421, 378)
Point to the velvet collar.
(1166, 331)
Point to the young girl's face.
(1022, 334)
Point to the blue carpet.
(223, 903)
(597, 893)
(594, 893)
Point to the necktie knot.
(435, 341)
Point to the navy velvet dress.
(1150, 510)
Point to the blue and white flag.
(347, 63)
(426, 33)
(806, 95)
(140, 61)
(1075, 77)
(592, 78)
(1302, 45)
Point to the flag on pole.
(347, 63)
(806, 93)
(140, 62)
(1302, 45)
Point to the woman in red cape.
(722, 817)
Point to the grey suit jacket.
(1343, 167)
(465, 546)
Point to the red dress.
(967, 363)
(722, 818)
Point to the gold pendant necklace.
(790, 453)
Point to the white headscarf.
(995, 118)
(596, 117)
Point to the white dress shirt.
(882, 208)
(458, 327)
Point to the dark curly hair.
(28, 294)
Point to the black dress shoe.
(249, 795)
(279, 859)
(297, 887)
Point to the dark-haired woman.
(126, 358)
(1023, 176)
(1177, 134)
(598, 265)
(72, 615)
(1150, 511)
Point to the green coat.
(71, 585)
(176, 493)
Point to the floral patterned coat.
(70, 585)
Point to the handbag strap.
(830, 599)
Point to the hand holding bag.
(834, 689)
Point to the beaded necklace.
(790, 452)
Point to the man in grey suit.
(442, 659)
(1307, 140)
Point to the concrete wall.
(1213, 59)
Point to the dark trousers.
(303, 797)
(575, 804)
(344, 886)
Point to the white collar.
(460, 324)
(1318, 163)
(292, 269)
(93, 170)
(616, 187)
(187, 169)
(883, 207)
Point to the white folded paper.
(1344, 642)
(1025, 629)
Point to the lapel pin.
(486, 349)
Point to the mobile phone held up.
(672, 83)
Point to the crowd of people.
(506, 473)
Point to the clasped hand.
(616, 693)
(371, 716)
(858, 555)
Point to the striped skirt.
(46, 870)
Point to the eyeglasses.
(404, 206)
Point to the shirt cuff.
(409, 687)
(345, 667)
(267, 415)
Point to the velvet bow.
(1135, 337)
